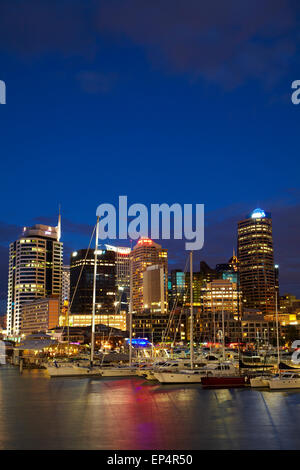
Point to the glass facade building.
(256, 262)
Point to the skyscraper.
(256, 261)
(81, 282)
(178, 288)
(122, 274)
(112, 286)
(35, 270)
(154, 289)
(146, 253)
(65, 293)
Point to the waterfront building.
(253, 328)
(146, 253)
(289, 304)
(180, 285)
(112, 287)
(256, 261)
(81, 284)
(221, 295)
(35, 270)
(40, 315)
(114, 320)
(158, 327)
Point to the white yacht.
(261, 381)
(71, 370)
(169, 366)
(195, 375)
(118, 371)
(285, 381)
(184, 376)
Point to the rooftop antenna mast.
(59, 224)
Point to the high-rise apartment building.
(256, 262)
(154, 289)
(146, 253)
(35, 270)
(40, 315)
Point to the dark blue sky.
(162, 101)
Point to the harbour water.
(41, 413)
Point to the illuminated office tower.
(81, 283)
(256, 262)
(35, 270)
(221, 295)
(65, 292)
(178, 288)
(122, 274)
(146, 253)
(112, 286)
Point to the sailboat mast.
(192, 316)
(94, 292)
(223, 327)
(130, 316)
(277, 330)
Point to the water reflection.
(41, 413)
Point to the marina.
(131, 413)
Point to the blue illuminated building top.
(258, 214)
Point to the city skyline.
(177, 254)
(172, 128)
(105, 107)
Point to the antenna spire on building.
(59, 225)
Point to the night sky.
(183, 101)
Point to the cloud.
(33, 27)
(226, 42)
(223, 42)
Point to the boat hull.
(72, 372)
(118, 372)
(177, 378)
(259, 382)
(284, 384)
(223, 382)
